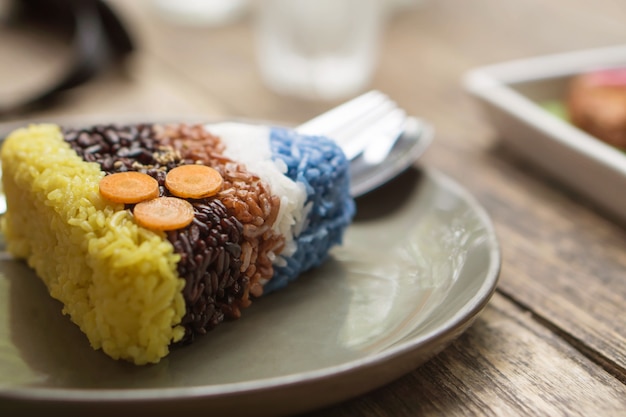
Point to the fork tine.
(333, 119)
(377, 149)
(354, 124)
(372, 129)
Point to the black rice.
(209, 248)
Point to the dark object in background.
(98, 40)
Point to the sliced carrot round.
(193, 181)
(129, 187)
(164, 213)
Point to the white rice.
(250, 145)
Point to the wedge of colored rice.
(136, 292)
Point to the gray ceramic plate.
(418, 265)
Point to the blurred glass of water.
(209, 13)
(318, 49)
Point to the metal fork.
(377, 136)
(369, 124)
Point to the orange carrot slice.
(193, 181)
(164, 213)
(129, 187)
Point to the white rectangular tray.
(512, 94)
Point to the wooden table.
(552, 340)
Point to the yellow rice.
(117, 281)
